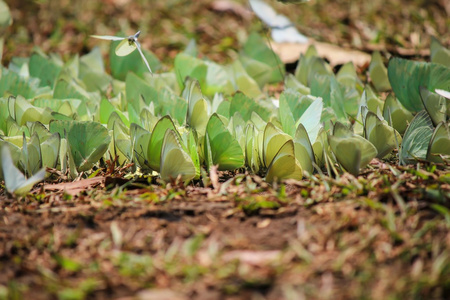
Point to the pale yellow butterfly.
(126, 46)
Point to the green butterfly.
(197, 110)
(174, 160)
(242, 81)
(439, 54)
(15, 151)
(278, 155)
(126, 46)
(15, 182)
(380, 134)
(353, 152)
(435, 105)
(140, 141)
(252, 158)
(416, 139)
(86, 140)
(49, 143)
(22, 111)
(439, 143)
(378, 73)
(221, 148)
(31, 158)
(407, 76)
(156, 141)
(284, 165)
(396, 114)
(120, 145)
(304, 152)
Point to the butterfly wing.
(125, 47)
(108, 37)
(15, 182)
(443, 93)
(267, 14)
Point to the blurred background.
(219, 26)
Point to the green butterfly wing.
(304, 152)
(435, 105)
(351, 151)
(22, 111)
(285, 115)
(273, 140)
(156, 141)
(50, 150)
(140, 141)
(31, 158)
(284, 165)
(259, 71)
(256, 48)
(225, 149)
(174, 160)
(15, 153)
(439, 143)
(242, 81)
(396, 114)
(416, 139)
(439, 54)
(106, 109)
(246, 106)
(87, 141)
(192, 146)
(378, 73)
(120, 140)
(406, 78)
(15, 181)
(292, 83)
(310, 119)
(197, 112)
(381, 135)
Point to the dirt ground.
(241, 239)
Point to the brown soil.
(199, 244)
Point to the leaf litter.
(183, 242)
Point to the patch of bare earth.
(241, 239)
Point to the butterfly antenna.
(273, 52)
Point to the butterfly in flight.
(283, 30)
(126, 46)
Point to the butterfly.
(15, 182)
(443, 93)
(126, 46)
(283, 30)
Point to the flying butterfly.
(283, 30)
(126, 46)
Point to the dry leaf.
(255, 258)
(336, 55)
(264, 223)
(76, 187)
(159, 294)
(214, 177)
